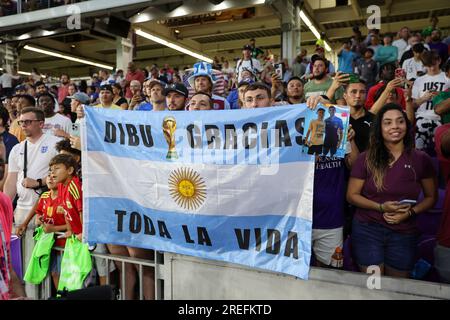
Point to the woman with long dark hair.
(118, 98)
(385, 184)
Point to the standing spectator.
(426, 32)
(441, 101)
(321, 83)
(384, 230)
(118, 98)
(201, 80)
(387, 53)
(40, 149)
(78, 100)
(442, 250)
(64, 108)
(257, 95)
(63, 89)
(367, 68)
(22, 102)
(346, 57)
(176, 96)
(386, 74)
(119, 76)
(424, 89)
(200, 101)
(138, 97)
(294, 91)
(402, 42)
(247, 62)
(374, 43)
(408, 51)
(256, 52)
(106, 98)
(439, 46)
(155, 99)
(55, 123)
(154, 74)
(106, 77)
(299, 65)
(320, 53)
(357, 43)
(8, 139)
(6, 81)
(414, 67)
(132, 74)
(236, 96)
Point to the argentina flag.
(230, 185)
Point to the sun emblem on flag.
(187, 188)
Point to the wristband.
(381, 208)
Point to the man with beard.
(55, 123)
(294, 91)
(202, 81)
(63, 89)
(155, 100)
(439, 46)
(176, 95)
(321, 82)
(26, 181)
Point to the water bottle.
(337, 259)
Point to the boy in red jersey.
(62, 169)
(50, 214)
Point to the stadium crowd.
(378, 205)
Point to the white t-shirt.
(6, 80)
(401, 45)
(58, 121)
(411, 66)
(425, 83)
(252, 64)
(39, 155)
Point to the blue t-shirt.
(329, 193)
(144, 106)
(345, 61)
(10, 141)
(331, 129)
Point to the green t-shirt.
(445, 118)
(314, 89)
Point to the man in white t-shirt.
(55, 123)
(6, 81)
(247, 62)
(424, 89)
(402, 42)
(26, 181)
(414, 67)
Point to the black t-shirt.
(362, 130)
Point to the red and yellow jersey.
(53, 213)
(72, 199)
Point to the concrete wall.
(197, 279)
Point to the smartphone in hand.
(75, 131)
(408, 201)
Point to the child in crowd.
(50, 214)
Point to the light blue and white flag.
(232, 185)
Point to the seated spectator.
(408, 54)
(8, 139)
(133, 74)
(106, 77)
(387, 53)
(201, 101)
(374, 43)
(384, 230)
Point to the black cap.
(177, 87)
(106, 87)
(247, 47)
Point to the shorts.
(325, 242)
(315, 149)
(442, 262)
(374, 244)
(331, 148)
(100, 263)
(55, 261)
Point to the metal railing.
(45, 286)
